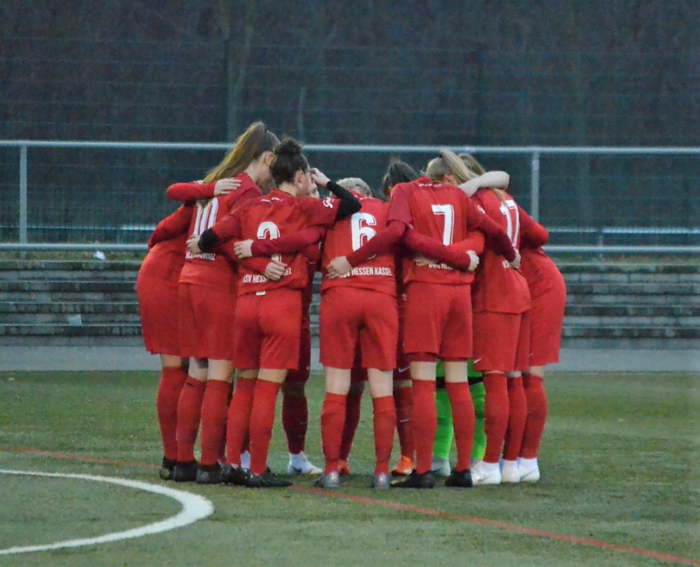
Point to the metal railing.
(534, 152)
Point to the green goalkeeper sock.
(478, 393)
(445, 432)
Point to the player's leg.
(172, 379)
(189, 411)
(403, 399)
(333, 422)
(353, 409)
(381, 389)
(444, 436)
(478, 392)
(533, 383)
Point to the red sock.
(536, 415)
(424, 423)
(171, 382)
(517, 414)
(262, 420)
(332, 424)
(464, 421)
(352, 419)
(214, 412)
(403, 398)
(238, 419)
(384, 424)
(295, 419)
(495, 415)
(189, 408)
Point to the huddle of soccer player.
(411, 288)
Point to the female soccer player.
(157, 290)
(548, 298)
(268, 312)
(501, 345)
(207, 302)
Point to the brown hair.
(397, 172)
(288, 161)
(249, 146)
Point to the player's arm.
(457, 255)
(228, 227)
(172, 226)
(291, 244)
(532, 233)
(380, 244)
(497, 238)
(199, 190)
(495, 179)
(347, 204)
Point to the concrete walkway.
(135, 358)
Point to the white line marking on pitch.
(194, 507)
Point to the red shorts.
(158, 318)
(268, 330)
(303, 372)
(438, 321)
(206, 321)
(501, 341)
(546, 322)
(349, 315)
(401, 371)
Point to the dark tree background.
(543, 72)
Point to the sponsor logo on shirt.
(258, 279)
(369, 271)
(201, 256)
(440, 266)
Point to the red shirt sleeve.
(190, 191)
(292, 244)
(399, 206)
(230, 225)
(172, 226)
(381, 243)
(434, 250)
(474, 241)
(532, 233)
(258, 265)
(498, 239)
(319, 212)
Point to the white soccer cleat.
(441, 467)
(510, 473)
(529, 470)
(486, 474)
(299, 465)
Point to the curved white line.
(194, 507)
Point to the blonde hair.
(357, 184)
(249, 146)
(463, 162)
(470, 161)
(448, 163)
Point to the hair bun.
(288, 147)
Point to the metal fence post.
(23, 195)
(535, 186)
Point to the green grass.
(620, 464)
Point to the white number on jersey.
(362, 233)
(206, 216)
(449, 213)
(269, 230)
(510, 210)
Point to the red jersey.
(277, 215)
(540, 271)
(167, 245)
(348, 235)
(441, 212)
(212, 269)
(498, 287)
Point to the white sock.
(489, 467)
(527, 464)
(245, 459)
(297, 458)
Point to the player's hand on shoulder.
(193, 245)
(275, 270)
(243, 249)
(516, 263)
(318, 177)
(422, 261)
(473, 260)
(338, 268)
(226, 186)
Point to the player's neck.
(289, 188)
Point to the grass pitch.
(620, 464)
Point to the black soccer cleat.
(185, 472)
(234, 474)
(415, 480)
(267, 480)
(209, 474)
(166, 469)
(460, 479)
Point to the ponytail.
(448, 162)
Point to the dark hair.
(397, 172)
(288, 160)
(249, 146)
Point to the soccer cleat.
(330, 480)
(510, 473)
(441, 467)
(299, 465)
(267, 480)
(460, 479)
(415, 480)
(486, 474)
(245, 459)
(343, 468)
(210, 474)
(234, 474)
(185, 472)
(403, 467)
(381, 481)
(529, 470)
(166, 469)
